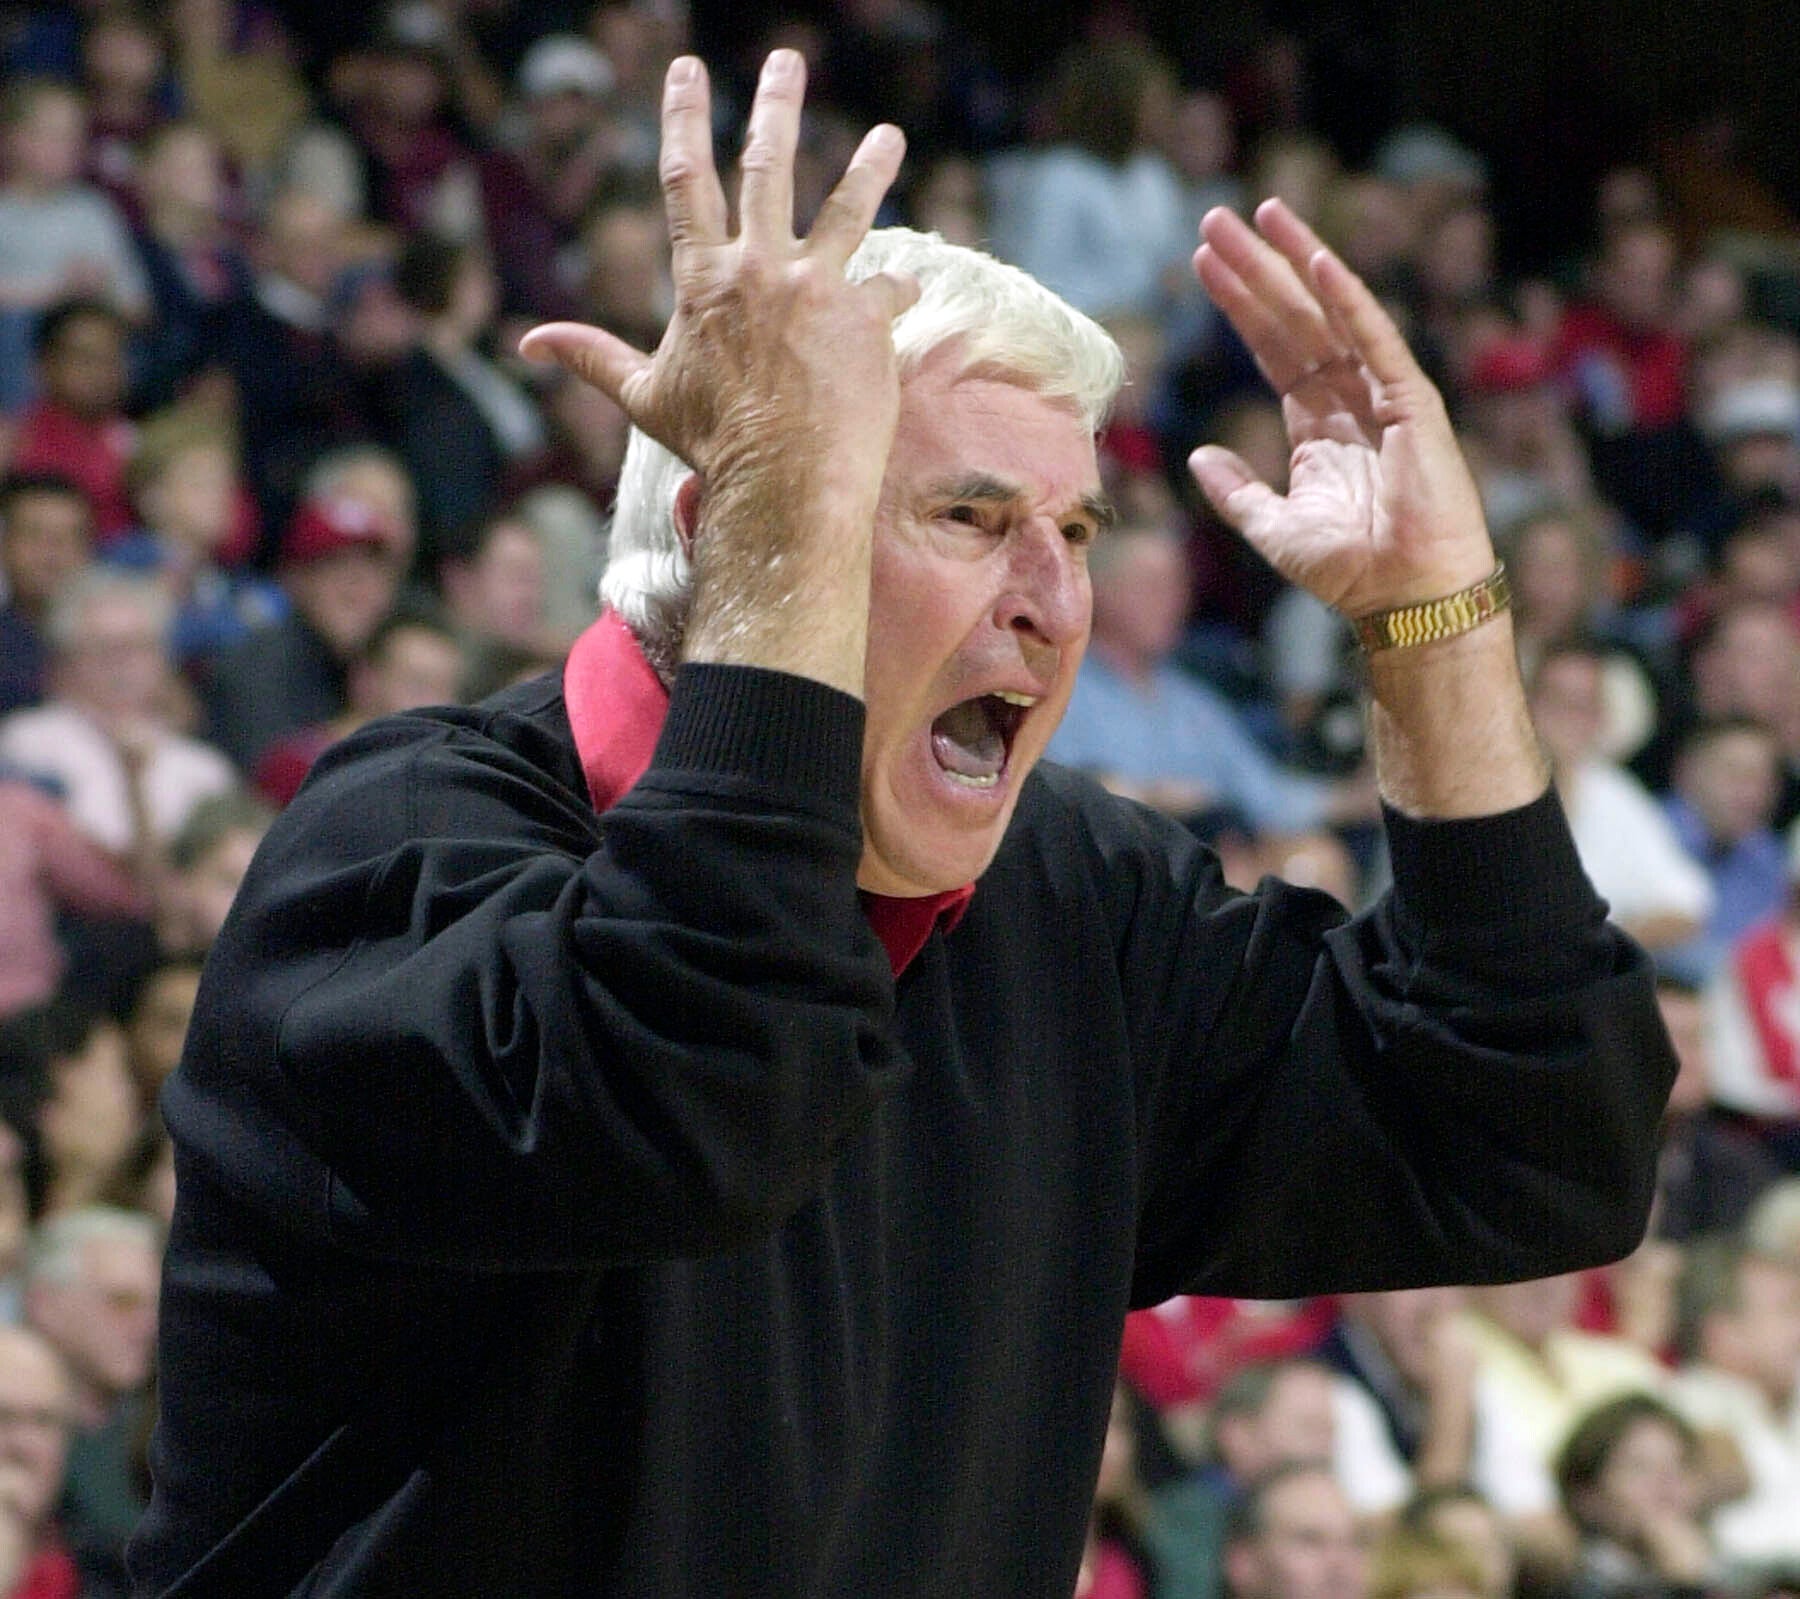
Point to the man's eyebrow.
(1102, 510)
(983, 488)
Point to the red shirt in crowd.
(91, 453)
(1184, 1350)
(1628, 379)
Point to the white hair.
(57, 1250)
(1001, 321)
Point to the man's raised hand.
(776, 381)
(1381, 510)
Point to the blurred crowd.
(270, 468)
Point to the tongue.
(966, 742)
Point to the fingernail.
(886, 137)
(683, 70)
(781, 65)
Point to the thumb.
(1236, 493)
(592, 354)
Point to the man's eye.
(1080, 534)
(963, 513)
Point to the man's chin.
(911, 855)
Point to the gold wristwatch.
(1431, 620)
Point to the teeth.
(973, 782)
(1027, 700)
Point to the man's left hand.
(1381, 510)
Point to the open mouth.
(973, 739)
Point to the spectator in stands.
(157, 1023)
(207, 862)
(1156, 734)
(1738, 1334)
(184, 483)
(77, 1099)
(1546, 1371)
(237, 78)
(121, 707)
(1752, 1028)
(129, 778)
(1710, 1170)
(568, 142)
(1727, 777)
(1626, 845)
(296, 393)
(1527, 456)
(1412, 1411)
(1627, 362)
(412, 659)
(1759, 558)
(45, 539)
(1411, 1565)
(1630, 1481)
(494, 585)
(91, 1291)
(49, 867)
(35, 1402)
(1266, 1418)
(1456, 1514)
(1561, 561)
(199, 278)
(342, 561)
(1099, 217)
(1746, 663)
(77, 425)
(59, 238)
(1199, 140)
(627, 280)
(949, 197)
(124, 74)
(1752, 426)
(456, 419)
(1294, 1536)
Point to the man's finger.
(849, 210)
(1349, 303)
(1266, 335)
(1275, 283)
(1354, 308)
(1236, 493)
(690, 182)
(592, 354)
(766, 196)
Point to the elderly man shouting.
(695, 1124)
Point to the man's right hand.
(776, 381)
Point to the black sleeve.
(457, 1019)
(1463, 1084)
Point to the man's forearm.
(1451, 732)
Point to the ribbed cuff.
(770, 728)
(1517, 868)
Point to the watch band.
(1431, 620)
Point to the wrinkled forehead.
(961, 421)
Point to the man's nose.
(1046, 596)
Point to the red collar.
(616, 705)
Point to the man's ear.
(687, 512)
